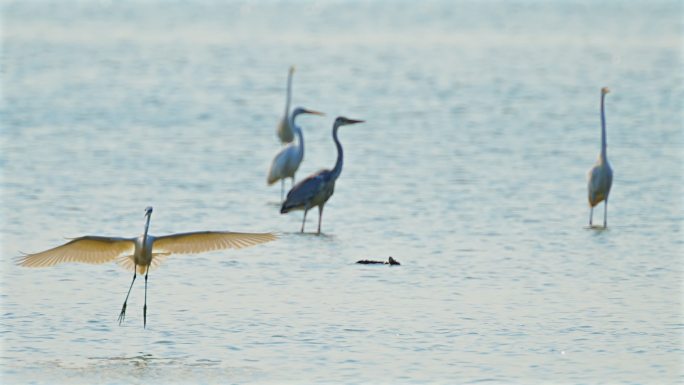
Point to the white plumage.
(143, 253)
(286, 163)
(601, 175)
(284, 131)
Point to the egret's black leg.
(147, 271)
(304, 220)
(605, 213)
(122, 315)
(591, 214)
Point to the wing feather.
(88, 249)
(201, 241)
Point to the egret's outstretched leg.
(122, 315)
(304, 220)
(605, 213)
(147, 271)
(591, 215)
(320, 217)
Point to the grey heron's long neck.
(340, 154)
(603, 128)
(147, 226)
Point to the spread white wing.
(88, 249)
(202, 241)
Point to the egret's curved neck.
(289, 93)
(300, 135)
(603, 129)
(340, 154)
(147, 226)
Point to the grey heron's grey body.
(286, 163)
(284, 131)
(316, 189)
(142, 253)
(601, 175)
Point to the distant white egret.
(141, 253)
(287, 161)
(316, 189)
(285, 133)
(601, 175)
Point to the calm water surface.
(482, 121)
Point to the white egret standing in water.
(287, 161)
(316, 189)
(285, 133)
(601, 175)
(141, 253)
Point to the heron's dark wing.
(306, 190)
(88, 249)
(202, 241)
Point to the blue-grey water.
(482, 119)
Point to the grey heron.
(285, 133)
(141, 253)
(317, 188)
(287, 161)
(601, 175)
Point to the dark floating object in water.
(391, 261)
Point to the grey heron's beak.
(354, 121)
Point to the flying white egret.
(601, 175)
(141, 253)
(285, 133)
(287, 161)
(316, 189)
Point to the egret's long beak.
(354, 121)
(312, 112)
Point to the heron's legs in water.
(591, 214)
(320, 217)
(304, 220)
(122, 315)
(605, 213)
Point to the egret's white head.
(148, 210)
(605, 90)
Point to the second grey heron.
(317, 188)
